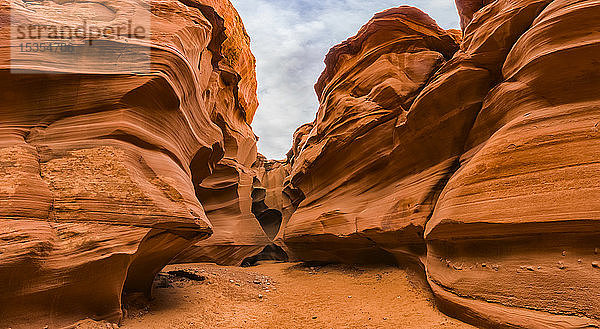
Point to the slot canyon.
(471, 157)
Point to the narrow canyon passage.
(133, 193)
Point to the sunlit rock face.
(479, 163)
(101, 172)
(369, 165)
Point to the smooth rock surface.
(522, 199)
(361, 203)
(100, 172)
(479, 163)
(472, 154)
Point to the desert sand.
(293, 296)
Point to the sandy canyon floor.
(289, 295)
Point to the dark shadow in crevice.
(187, 275)
(270, 252)
(270, 221)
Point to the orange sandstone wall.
(100, 172)
(471, 153)
(369, 165)
(474, 157)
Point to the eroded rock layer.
(471, 153)
(369, 165)
(102, 174)
(513, 236)
(247, 204)
(477, 162)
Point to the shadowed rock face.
(247, 206)
(467, 8)
(479, 163)
(101, 173)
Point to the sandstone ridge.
(100, 171)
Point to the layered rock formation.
(100, 169)
(477, 163)
(369, 166)
(472, 154)
(517, 222)
(226, 193)
(247, 205)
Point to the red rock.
(471, 153)
(98, 170)
(227, 198)
(528, 173)
(365, 91)
(490, 160)
(467, 8)
(237, 55)
(247, 207)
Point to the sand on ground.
(289, 295)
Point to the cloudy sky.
(290, 39)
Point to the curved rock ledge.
(99, 172)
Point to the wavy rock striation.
(248, 206)
(226, 193)
(478, 162)
(229, 193)
(372, 203)
(471, 153)
(517, 222)
(103, 175)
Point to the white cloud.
(290, 39)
